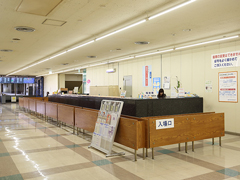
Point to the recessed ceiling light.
(91, 56)
(64, 64)
(6, 50)
(142, 42)
(187, 30)
(24, 29)
(16, 39)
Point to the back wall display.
(227, 86)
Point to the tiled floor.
(33, 149)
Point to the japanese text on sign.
(223, 60)
(165, 123)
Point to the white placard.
(227, 86)
(106, 125)
(208, 86)
(165, 123)
(224, 60)
(181, 92)
(173, 92)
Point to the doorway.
(127, 85)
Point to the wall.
(193, 68)
(73, 77)
(61, 81)
(50, 84)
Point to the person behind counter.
(161, 93)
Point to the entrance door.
(127, 85)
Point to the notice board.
(228, 86)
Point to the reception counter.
(137, 107)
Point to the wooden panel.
(85, 119)
(45, 99)
(21, 102)
(141, 135)
(207, 126)
(52, 110)
(66, 114)
(25, 103)
(32, 105)
(41, 107)
(179, 134)
(127, 133)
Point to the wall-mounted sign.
(147, 76)
(165, 123)
(166, 82)
(224, 60)
(156, 84)
(227, 86)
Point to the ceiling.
(85, 20)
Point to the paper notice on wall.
(166, 82)
(208, 86)
(228, 91)
(224, 60)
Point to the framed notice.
(147, 75)
(227, 86)
(106, 126)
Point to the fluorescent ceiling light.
(121, 59)
(80, 46)
(158, 52)
(135, 24)
(207, 42)
(57, 55)
(171, 9)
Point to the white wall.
(61, 81)
(193, 68)
(50, 84)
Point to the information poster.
(106, 125)
(166, 82)
(227, 87)
(156, 84)
(224, 60)
(208, 86)
(147, 76)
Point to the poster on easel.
(228, 86)
(106, 126)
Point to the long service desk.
(137, 107)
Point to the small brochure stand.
(106, 126)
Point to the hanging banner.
(147, 76)
(224, 60)
(156, 84)
(106, 126)
(227, 86)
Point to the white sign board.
(181, 92)
(227, 86)
(165, 123)
(224, 60)
(13, 99)
(106, 125)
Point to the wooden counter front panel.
(21, 102)
(127, 133)
(52, 110)
(207, 126)
(41, 107)
(178, 134)
(85, 119)
(25, 103)
(66, 114)
(32, 104)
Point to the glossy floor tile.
(33, 149)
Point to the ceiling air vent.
(64, 64)
(141, 42)
(6, 50)
(91, 56)
(24, 29)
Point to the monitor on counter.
(28, 80)
(8, 80)
(13, 80)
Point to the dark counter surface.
(137, 107)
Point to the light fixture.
(135, 24)
(142, 42)
(158, 52)
(92, 56)
(121, 59)
(24, 29)
(6, 50)
(207, 42)
(171, 9)
(111, 70)
(80, 46)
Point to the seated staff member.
(161, 93)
